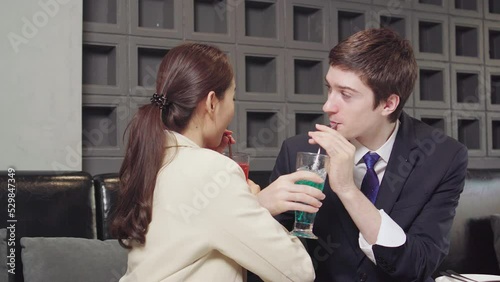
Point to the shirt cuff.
(389, 235)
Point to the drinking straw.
(315, 165)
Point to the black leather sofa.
(48, 204)
(105, 186)
(60, 205)
(471, 249)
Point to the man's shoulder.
(300, 143)
(300, 139)
(426, 132)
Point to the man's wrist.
(349, 192)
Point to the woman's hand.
(254, 188)
(227, 138)
(284, 195)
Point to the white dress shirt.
(390, 233)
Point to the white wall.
(40, 84)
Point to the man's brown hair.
(383, 60)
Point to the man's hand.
(284, 195)
(341, 153)
(340, 173)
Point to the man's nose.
(330, 106)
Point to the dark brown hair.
(384, 62)
(186, 75)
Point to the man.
(389, 218)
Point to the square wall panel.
(209, 20)
(158, 14)
(104, 121)
(261, 73)
(432, 88)
(105, 16)
(348, 18)
(492, 43)
(302, 118)
(399, 22)
(466, 40)
(438, 119)
(469, 128)
(305, 76)
(491, 9)
(306, 24)
(468, 87)
(145, 56)
(99, 11)
(434, 6)
(493, 123)
(261, 23)
(102, 62)
(262, 128)
(156, 18)
(467, 8)
(430, 36)
(492, 85)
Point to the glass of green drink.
(303, 226)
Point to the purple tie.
(370, 184)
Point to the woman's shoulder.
(203, 160)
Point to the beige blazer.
(207, 226)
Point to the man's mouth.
(333, 125)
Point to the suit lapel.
(399, 167)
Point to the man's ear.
(390, 105)
(211, 101)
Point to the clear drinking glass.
(243, 160)
(303, 226)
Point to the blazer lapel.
(399, 167)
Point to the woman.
(185, 211)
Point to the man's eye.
(345, 95)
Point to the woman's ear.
(211, 101)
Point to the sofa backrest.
(471, 246)
(106, 192)
(48, 204)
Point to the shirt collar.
(384, 151)
(183, 140)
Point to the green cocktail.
(316, 163)
(304, 220)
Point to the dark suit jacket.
(419, 191)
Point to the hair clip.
(160, 101)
